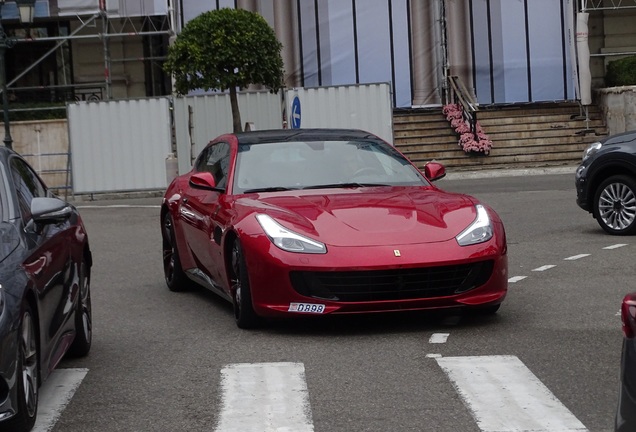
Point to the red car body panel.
(364, 229)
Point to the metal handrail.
(460, 95)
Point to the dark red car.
(626, 412)
(319, 221)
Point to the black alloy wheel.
(615, 205)
(176, 279)
(244, 314)
(84, 315)
(28, 373)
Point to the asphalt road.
(157, 356)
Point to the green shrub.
(621, 72)
(35, 111)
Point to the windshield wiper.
(269, 189)
(344, 185)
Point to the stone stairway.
(526, 136)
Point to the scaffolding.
(597, 5)
(603, 6)
(105, 26)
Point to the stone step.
(521, 136)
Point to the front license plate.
(306, 308)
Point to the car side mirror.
(434, 171)
(47, 210)
(204, 180)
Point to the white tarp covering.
(523, 56)
(583, 55)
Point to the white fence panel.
(367, 107)
(119, 146)
(212, 116)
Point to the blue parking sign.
(295, 113)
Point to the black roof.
(275, 135)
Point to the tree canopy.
(226, 49)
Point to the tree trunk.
(236, 114)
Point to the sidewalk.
(475, 174)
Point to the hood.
(370, 216)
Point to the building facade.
(504, 51)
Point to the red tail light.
(628, 315)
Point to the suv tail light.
(628, 315)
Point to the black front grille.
(397, 284)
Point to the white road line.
(615, 246)
(544, 268)
(433, 355)
(505, 396)
(575, 257)
(516, 279)
(264, 397)
(439, 338)
(55, 394)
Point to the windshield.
(317, 164)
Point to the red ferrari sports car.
(327, 221)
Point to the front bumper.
(581, 184)
(275, 287)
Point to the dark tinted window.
(215, 160)
(27, 184)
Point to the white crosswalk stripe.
(505, 396)
(55, 394)
(264, 397)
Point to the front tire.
(28, 372)
(176, 279)
(615, 205)
(83, 316)
(244, 314)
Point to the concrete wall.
(619, 106)
(44, 144)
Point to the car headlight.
(479, 231)
(288, 240)
(593, 148)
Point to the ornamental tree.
(226, 49)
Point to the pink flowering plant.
(469, 142)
